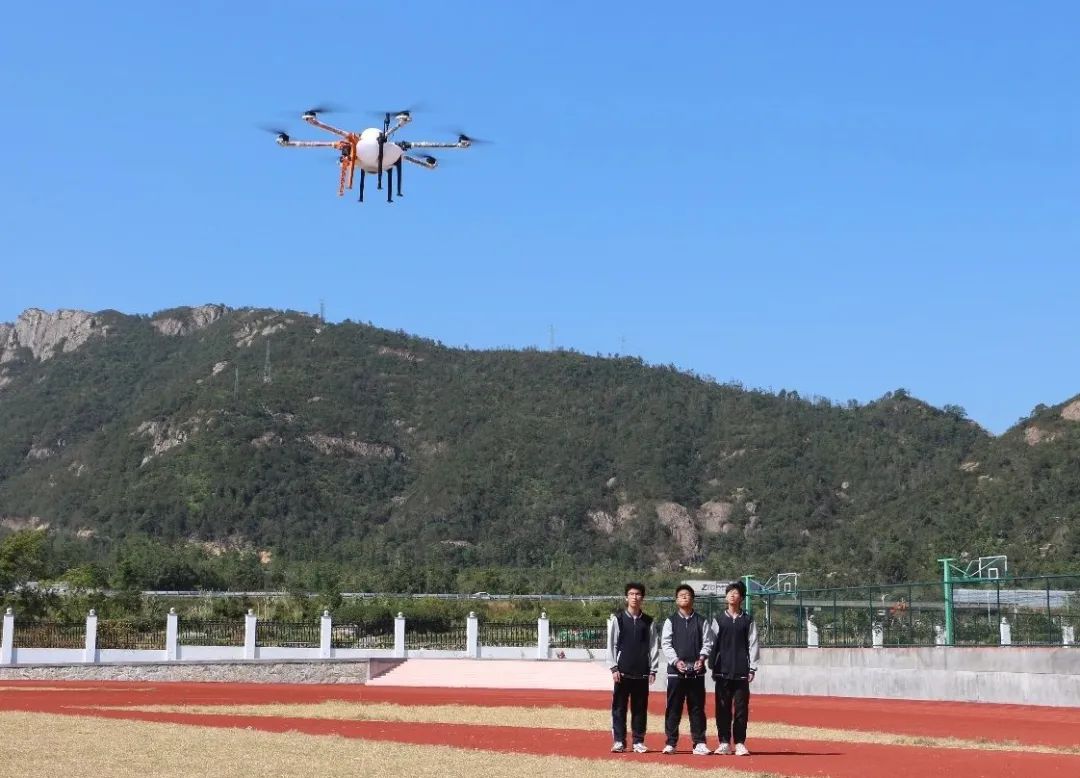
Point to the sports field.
(106, 729)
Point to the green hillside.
(386, 461)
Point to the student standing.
(686, 640)
(734, 662)
(634, 654)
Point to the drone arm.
(316, 123)
(311, 144)
(396, 127)
(421, 162)
(432, 144)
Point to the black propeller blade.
(323, 108)
(408, 112)
(282, 136)
(469, 140)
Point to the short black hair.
(686, 587)
(635, 585)
(736, 586)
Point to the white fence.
(176, 651)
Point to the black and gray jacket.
(685, 638)
(633, 649)
(735, 650)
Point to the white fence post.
(1005, 630)
(812, 639)
(472, 636)
(325, 627)
(1068, 634)
(171, 635)
(399, 635)
(543, 636)
(7, 642)
(878, 635)
(90, 647)
(249, 634)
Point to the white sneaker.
(741, 750)
(668, 750)
(618, 748)
(700, 749)
(641, 748)
(724, 749)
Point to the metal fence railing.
(210, 633)
(376, 633)
(286, 634)
(435, 633)
(578, 634)
(131, 635)
(50, 634)
(507, 633)
(1042, 610)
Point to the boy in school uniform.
(686, 640)
(734, 660)
(634, 656)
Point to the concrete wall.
(1033, 676)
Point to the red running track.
(1027, 724)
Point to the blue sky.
(834, 198)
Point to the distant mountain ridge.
(348, 442)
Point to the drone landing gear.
(389, 183)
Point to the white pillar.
(325, 625)
(399, 636)
(1068, 635)
(7, 642)
(171, 636)
(90, 647)
(472, 636)
(939, 635)
(812, 639)
(543, 636)
(1005, 630)
(878, 633)
(249, 634)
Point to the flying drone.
(372, 150)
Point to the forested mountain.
(404, 464)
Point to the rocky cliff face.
(188, 320)
(43, 333)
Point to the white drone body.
(372, 150)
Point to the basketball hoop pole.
(746, 582)
(946, 565)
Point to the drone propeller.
(407, 112)
(469, 140)
(323, 108)
(282, 136)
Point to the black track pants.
(636, 692)
(732, 696)
(690, 691)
